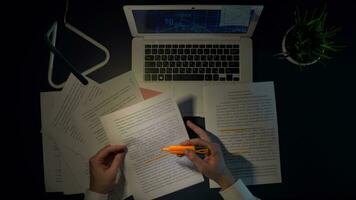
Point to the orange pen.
(179, 150)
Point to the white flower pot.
(290, 59)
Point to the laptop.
(179, 49)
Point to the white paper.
(70, 183)
(51, 154)
(47, 100)
(244, 118)
(119, 93)
(61, 127)
(145, 128)
(235, 16)
(86, 119)
(58, 175)
(69, 141)
(73, 95)
(52, 165)
(77, 166)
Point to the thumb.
(118, 160)
(198, 162)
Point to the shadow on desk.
(203, 190)
(245, 169)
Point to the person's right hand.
(213, 165)
(104, 167)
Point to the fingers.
(213, 147)
(117, 162)
(195, 141)
(200, 132)
(104, 152)
(198, 162)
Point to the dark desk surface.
(316, 107)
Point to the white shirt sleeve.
(237, 191)
(90, 195)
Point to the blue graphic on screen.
(182, 21)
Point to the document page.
(145, 128)
(52, 165)
(86, 117)
(51, 154)
(58, 175)
(78, 165)
(61, 127)
(58, 124)
(73, 95)
(244, 119)
(70, 183)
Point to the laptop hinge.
(190, 37)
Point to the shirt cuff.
(90, 195)
(237, 191)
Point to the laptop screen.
(228, 20)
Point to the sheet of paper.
(73, 144)
(52, 165)
(70, 183)
(47, 101)
(58, 175)
(244, 119)
(78, 166)
(73, 95)
(61, 127)
(51, 154)
(235, 15)
(58, 161)
(86, 117)
(145, 128)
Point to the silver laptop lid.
(192, 20)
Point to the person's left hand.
(104, 167)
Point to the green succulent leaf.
(310, 38)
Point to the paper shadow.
(186, 106)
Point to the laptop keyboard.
(192, 62)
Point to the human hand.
(213, 165)
(104, 167)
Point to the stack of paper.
(80, 120)
(72, 133)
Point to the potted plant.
(309, 41)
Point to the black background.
(316, 106)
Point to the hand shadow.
(240, 167)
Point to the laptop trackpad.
(189, 99)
